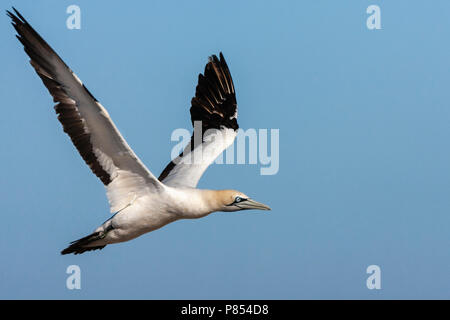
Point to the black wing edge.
(214, 103)
(40, 54)
(215, 100)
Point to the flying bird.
(139, 201)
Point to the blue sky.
(364, 173)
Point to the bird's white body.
(153, 211)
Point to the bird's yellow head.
(232, 200)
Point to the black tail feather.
(79, 246)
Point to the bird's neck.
(197, 203)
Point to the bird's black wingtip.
(11, 15)
(16, 16)
(19, 15)
(213, 58)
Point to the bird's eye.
(237, 200)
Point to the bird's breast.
(144, 214)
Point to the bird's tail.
(82, 245)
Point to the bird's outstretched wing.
(214, 117)
(87, 123)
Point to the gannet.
(139, 201)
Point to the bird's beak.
(252, 204)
